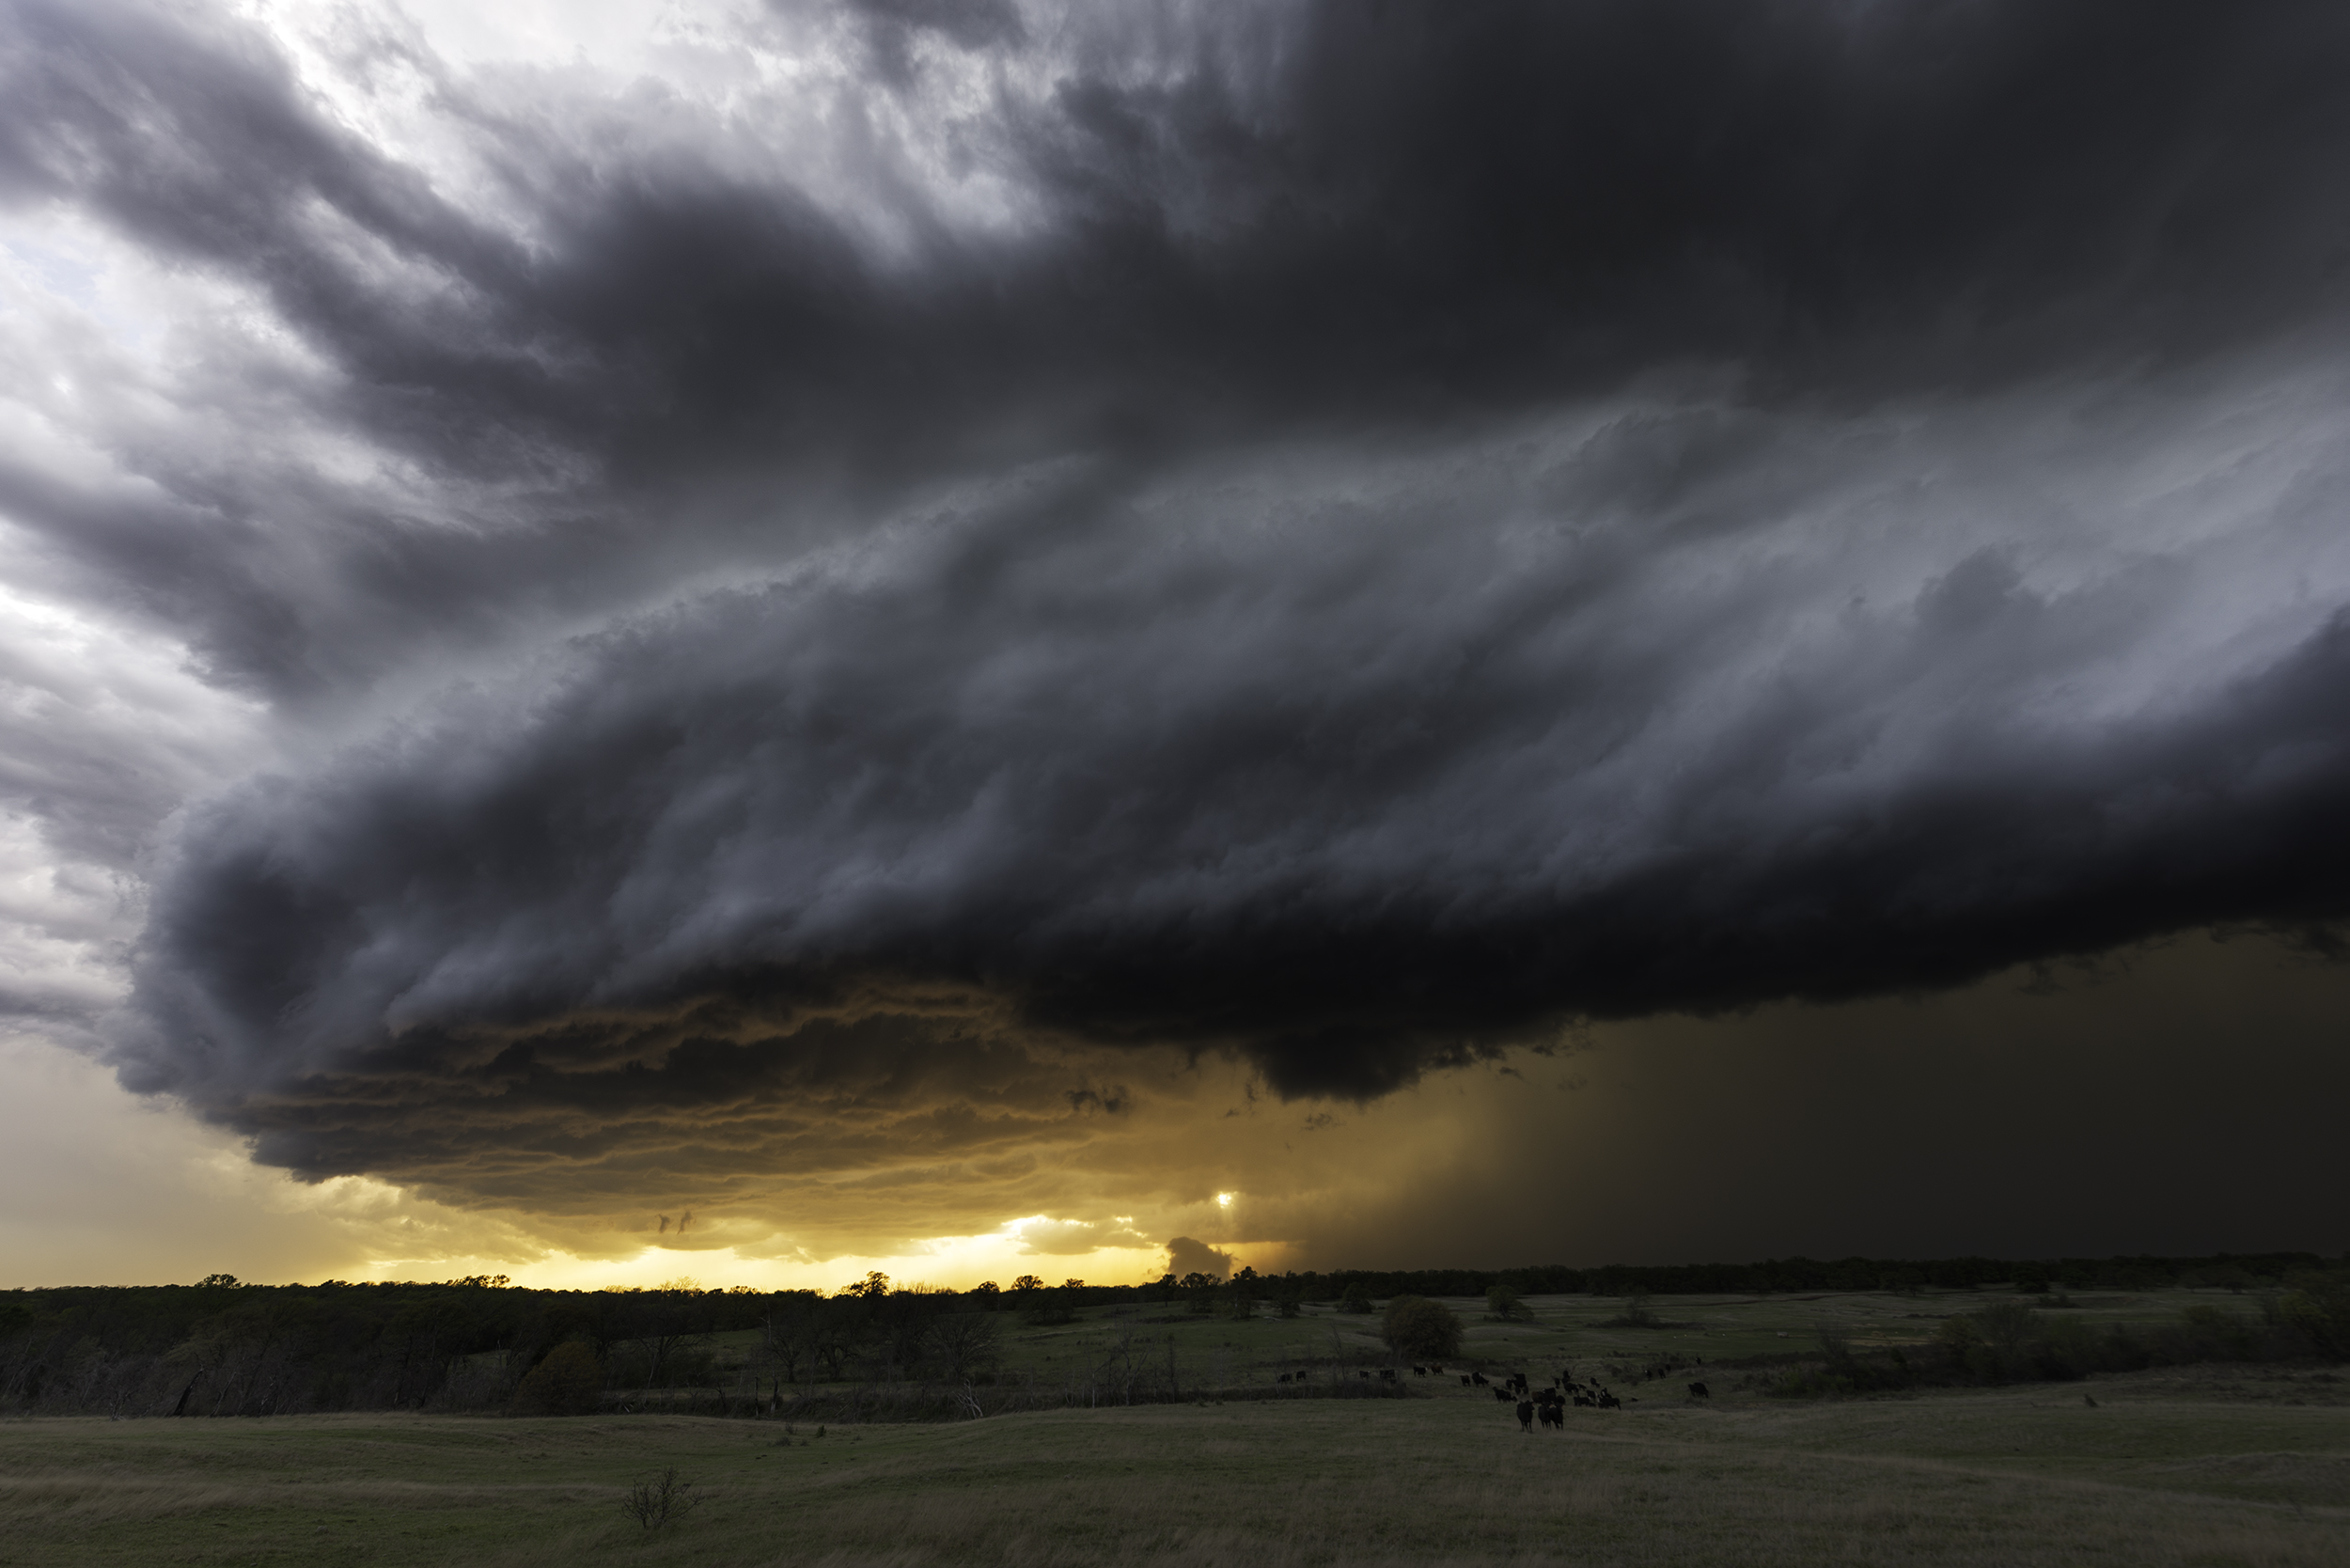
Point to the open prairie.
(2191, 1466)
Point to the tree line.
(222, 1348)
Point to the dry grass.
(2151, 1476)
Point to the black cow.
(1464, 1380)
(1526, 1414)
(1555, 1415)
(1699, 1390)
(1479, 1378)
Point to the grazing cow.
(1555, 1415)
(1283, 1378)
(1699, 1390)
(1464, 1380)
(1526, 1414)
(1501, 1396)
(1609, 1401)
(1479, 1378)
(1364, 1375)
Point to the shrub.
(1636, 1314)
(569, 1382)
(1356, 1299)
(1503, 1303)
(2316, 1307)
(656, 1502)
(1421, 1329)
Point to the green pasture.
(2199, 1466)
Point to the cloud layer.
(833, 571)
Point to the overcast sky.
(967, 635)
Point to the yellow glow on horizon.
(955, 1263)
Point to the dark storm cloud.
(1233, 224)
(1352, 788)
(1402, 527)
(1185, 1256)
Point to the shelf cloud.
(830, 594)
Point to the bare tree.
(965, 1343)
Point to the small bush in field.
(657, 1502)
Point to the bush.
(569, 1382)
(656, 1502)
(1356, 1299)
(1636, 1314)
(2315, 1307)
(1421, 1329)
(1503, 1303)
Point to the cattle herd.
(1529, 1403)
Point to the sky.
(756, 639)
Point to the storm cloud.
(901, 556)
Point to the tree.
(965, 1343)
(569, 1382)
(662, 1322)
(1355, 1299)
(786, 1330)
(1027, 1282)
(872, 1287)
(1042, 1308)
(1420, 1330)
(990, 1295)
(1503, 1303)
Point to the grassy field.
(2195, 1466)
